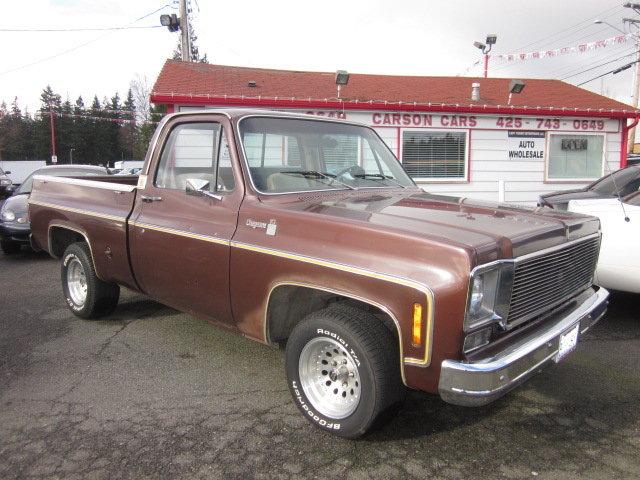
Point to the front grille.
(543, 282)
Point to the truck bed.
(97, 209)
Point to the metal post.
(185, 48)
(486, 65)
(53, 133)
(636, 86)
(71, 156)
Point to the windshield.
(293, 155)
(27, 185)
(627, 180)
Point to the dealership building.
(484, 138)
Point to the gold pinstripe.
(80, 211)
(423, 362)
(181, 233)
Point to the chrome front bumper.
(481, 382)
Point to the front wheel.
(86, 295)
(343, 370)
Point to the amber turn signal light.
(416, 335)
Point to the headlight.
(8, 216)
(23, 220)
(5, 182)
(489, 295)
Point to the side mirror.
(7, 172)
(200, 187)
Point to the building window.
(575, 157)
(435, 154)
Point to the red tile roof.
(184, 82)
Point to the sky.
(403, 37)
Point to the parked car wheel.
(86, 295)
(9, 247)
(342, 366)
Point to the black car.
(621, 183)
(14, 214)
(5, 183)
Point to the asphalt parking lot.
(154, 393)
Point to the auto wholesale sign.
(523, 145)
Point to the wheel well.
(289, 304)
(60, 238)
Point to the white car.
(619, 261)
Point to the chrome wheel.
(76, 282)
(329, 378)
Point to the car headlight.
(8, 216)
(5, 182)
(489, 295)
(23, 220)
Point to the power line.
(614, 71)
(2, 29)
(73, 49)
(571, 68)
(598, 66)
(569, 28)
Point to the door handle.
(149, 199)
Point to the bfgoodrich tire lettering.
(352, 348)
(85, 294)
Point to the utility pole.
(636, 78)
(185, 39)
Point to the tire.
(364, 373)
(10, 247)
(85, 294)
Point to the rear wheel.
(86, 295)
(343, 370)
(9, 247)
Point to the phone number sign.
(485, 122)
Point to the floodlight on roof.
(492, 38)
(342, 77)
(515, 86)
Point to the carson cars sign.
(485, 122)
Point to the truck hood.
(493, 230)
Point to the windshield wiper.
(379, 176)
(316, 175)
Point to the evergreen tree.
(50, 105)
(112, 128)
(128, 130)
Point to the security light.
(342, 77)
(170, 21)
(491, 38)
(479, 45)
(516, 86)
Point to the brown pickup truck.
(307, 232)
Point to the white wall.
(21, 169)
(488, 147)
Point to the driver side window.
(196, 151)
